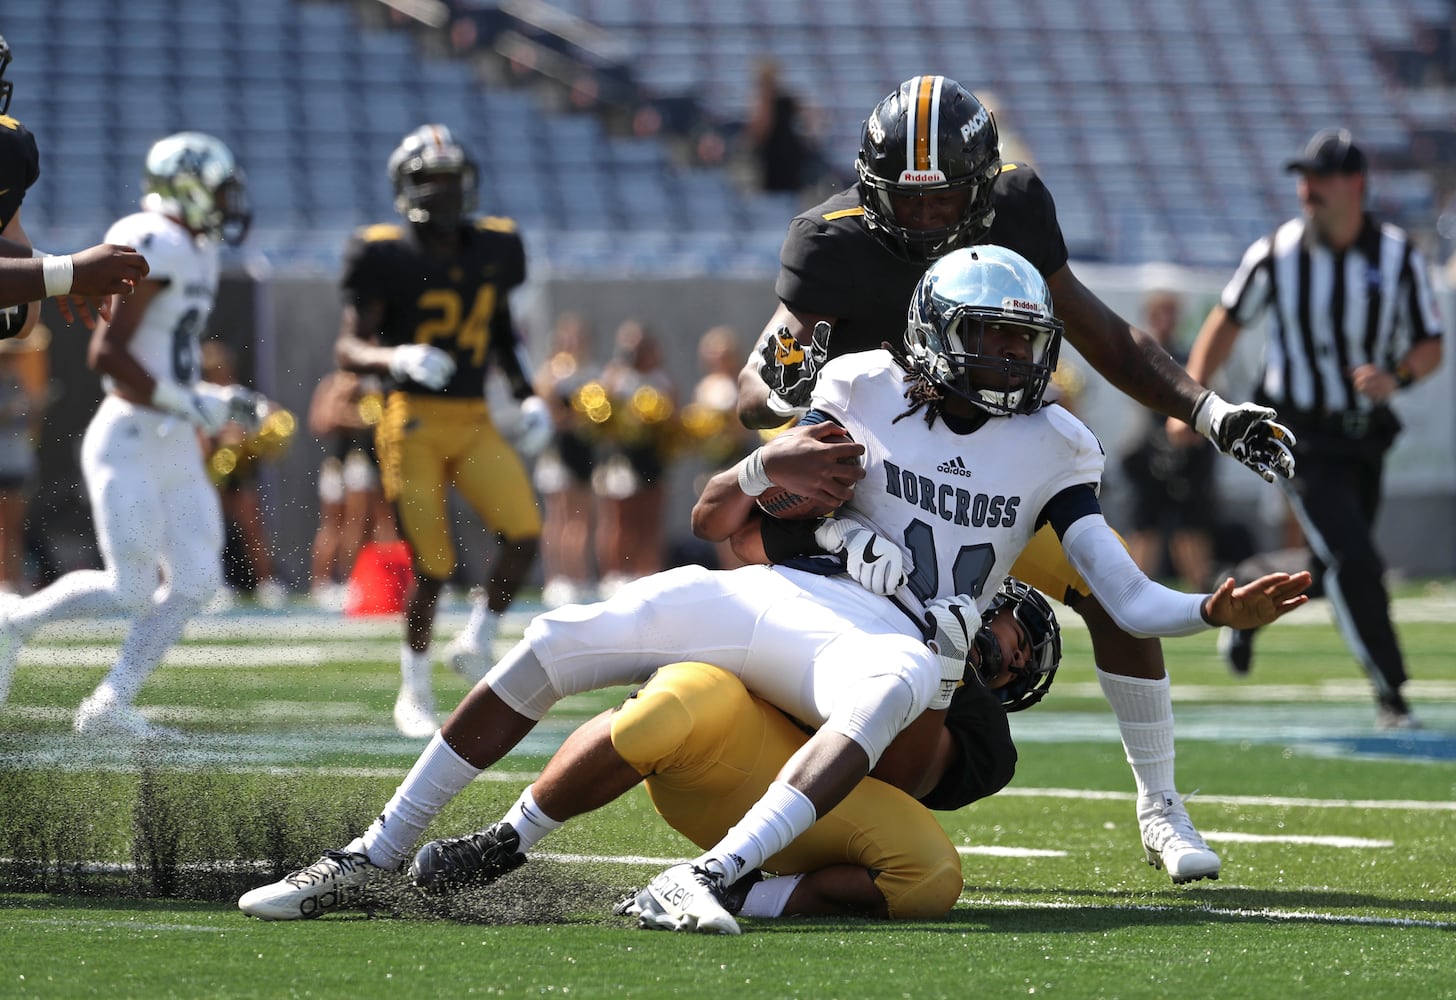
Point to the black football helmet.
(194, 177)
(1030, 682)
(7, 87)
(931, 135)
(432, 150)
(957, 297)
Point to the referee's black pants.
(1335, 494)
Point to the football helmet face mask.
(7, 87)
(1029, 682)
(434, 179)
(946, 335)
(931, 136)
(194, 177)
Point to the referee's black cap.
(1330, 151)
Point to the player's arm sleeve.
(1138, 605)
(362, 276)
(1036, 212)
(984, 757)
(812, 277)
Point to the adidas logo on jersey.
(956, 467)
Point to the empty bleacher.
(1161, 127)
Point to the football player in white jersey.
(154, 508)
(856, 665)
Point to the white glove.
(245, 406)
(875, 563)
(208, 411)
(533, 429)
(422, 364)
(955, 622)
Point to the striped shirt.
(1332, 311)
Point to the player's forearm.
(722, 509)
(355, 355)
(753, 408)
(22, 279)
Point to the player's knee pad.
(684, 713)
(923, 893)
(520, 681)
(133, 585)
(873, 712)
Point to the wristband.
(59, 272)
(752, 479)
(1404, 378)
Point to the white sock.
(529, 822)
(1144, 711)
(768, 827)
(437, 777)
(481, 628)
(414, 668)
(147, 641)
(769, 897)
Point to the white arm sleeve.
(1140, 606)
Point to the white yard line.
(1308, 916)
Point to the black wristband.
(1404, 378)
(783, 540)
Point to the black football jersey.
(832, 265)
(19, 166)
(458, 304)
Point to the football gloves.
(422, 364)
(533, 428)
(952, 624)
(210, 407)
(1247, 433)
(874, 562)
(790, 369)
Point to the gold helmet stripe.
(923, 153)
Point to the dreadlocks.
(920, 390)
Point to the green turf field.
(118, 873)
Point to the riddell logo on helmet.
(922, 177)
(1024, 305)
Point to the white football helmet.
(194, 177)
(957, 298)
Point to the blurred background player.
(156, 513)
(75, 280)
(1173, 500)
(344, 412)
(564, 469)
(427, 305)
(234, 464)
(629, 482)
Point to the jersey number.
(184, 347)
(472, 335)
(968, 572)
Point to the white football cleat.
(102, 717)
(333, 881)
(1171, 841)
(686, 897)
(466, 659)
(414, 713)
(271, 594)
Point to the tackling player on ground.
(932, 180)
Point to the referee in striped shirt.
(1351, 321)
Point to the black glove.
(1247, 433)
(790, 370)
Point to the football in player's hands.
(787, 505)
